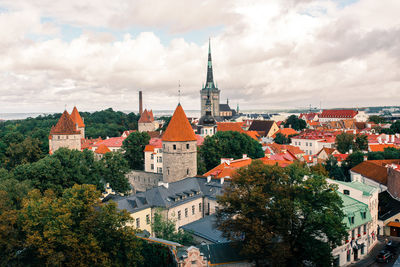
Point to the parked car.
(392, 246)
(384, 256)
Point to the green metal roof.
(354, 208)
(366, 189)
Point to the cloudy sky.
(266, 54)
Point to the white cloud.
(280, 54)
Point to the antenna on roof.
(179, 92)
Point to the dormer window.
(346, 192)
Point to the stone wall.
(146, 127)
(70, 141)
(393, 183)
(179, 160)
(142, 181)
(214, 97)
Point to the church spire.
(210, 79)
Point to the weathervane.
(179, 92)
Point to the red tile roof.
(88, 143)
(341, 113)
(375, 169)
(285, 131)
(65, 125)
(102, 149)
(111, 142)
(76, 117)
(308, 116)
(340, 157)
(230, 126)
(149, 148)
(179, 128)
(380, 147)
(146, 116)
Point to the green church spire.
(210, 79)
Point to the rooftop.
(179, 128)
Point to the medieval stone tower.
(179, 148)
(79, 124)
(210, 90)
(64, 134)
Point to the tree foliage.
(281, 139)
(74, 229)
(282, 217)
(166, 229)
(228, 144)
(296, 123)
(387, 153)
(344, 142)
(134, 146)
(376, 119)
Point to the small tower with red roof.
(64, 134)
(146, 121)
(79, 124)
(179, 148)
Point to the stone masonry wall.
(146, 127)
(71, 141)
(180, 162)
(142, 181)
(393, 183)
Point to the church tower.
(207, 125)
(179, 148)
(210, 90)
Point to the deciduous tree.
(134, 146)
(296, 123)
(286, 216)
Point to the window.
(152, 166)
(306, 144)
(365, 228)
(310, 144)
(208, 207)
(346, 192)
(168, 171)
(187, 146)
(137, 222)
(352, 234)
(352, 220)
(186, 213)
(363, 215)
(193, 262)
(159, 159)
(362, 249)
(348, 255)
(152, 156)
(359, 230)
(148, 218)
(174, 146)
(199, 207)
(192, 209)
(187, 171)
(179, 214)
(159, 170)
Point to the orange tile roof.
(277, 148)
(88, 143)
(253, 134)
(375, 169)
(146, 116)
(76, 117)
(327, 150)
(285, 131)
(225, 169)
(342, 113)
(65, 125)
(179, 128)
(111, 142)
(281, 163)
(230, 126)
(149, 148)
(394, 224)
(102, 149)
(380, 147)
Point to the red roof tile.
(375, 169)
(146, 116)
(102, 149)
(230, 126)
(65, 125)
(179, 128)
(111, 142)
(76, 117)
(341, 113)
(285, 131)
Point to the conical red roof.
(65, 125)
(102, 149)
(76, 117)
(179, 128)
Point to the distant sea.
(157, 113)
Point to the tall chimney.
(140, 103)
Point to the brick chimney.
(140, 103)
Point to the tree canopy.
(74, 229)
(376, 119)
(281, 139)
(296, 123)
(283, 215)
(228, 144)
(166, 229)
(134, 146)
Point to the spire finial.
(179, 92)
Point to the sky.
(276, 54)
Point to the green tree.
(376, 119)
(395, 127)
(134, 146)
(166, 120)
(361, 142)
(344, 142)
(334, 170)
(26, 151)
(352, 160)
(115, 166)
(296, 123)
(282, 217)
(281, 139)
(74, 229)
(166, 229)
(228, 145)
